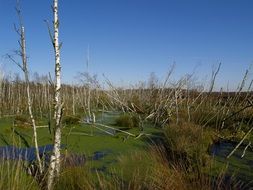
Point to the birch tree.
(54, 167)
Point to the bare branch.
(214, 75)
(10, 57)
(50, 32)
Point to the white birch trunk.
(54, 168)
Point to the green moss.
(126, 154)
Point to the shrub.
(128, 121)
(71, 120)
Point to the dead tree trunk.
(29, 102)
(24, 68)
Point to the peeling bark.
(54, 168)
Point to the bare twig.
(244, 151)
(214, 75)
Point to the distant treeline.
(159, 102)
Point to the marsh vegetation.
(157, 134)
(164, 137)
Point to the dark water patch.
(240, 168)
(98, 155)
(27, 154)
(73, 159)
(223, 148)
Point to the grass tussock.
(189, 139)
(14, 176)
(128, 121)
(160, 172)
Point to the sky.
(129, 39)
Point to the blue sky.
(129, 39)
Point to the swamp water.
(239, 167)
(28, 154)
